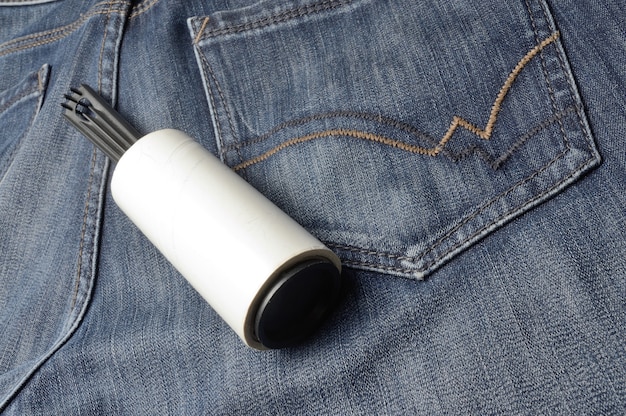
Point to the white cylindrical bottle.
(266, 276)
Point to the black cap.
(297, 303)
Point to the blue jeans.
(464, 158)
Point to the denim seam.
(111, 4)
(52, 35)
(543, 63)
(368, 252)
(218, 124)
(564, 70)
(102, 45)
(224, 105)
(426, 266)
(24, 1)
(19, 98)
(377, 267)
(483, 133)
(488, 204)
(529, 202)
(277, 18)
(141, 8)
(83, 231)
(572, 88)
(552, 97)
(475, 214)
(38, 92)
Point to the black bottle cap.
(297, 304)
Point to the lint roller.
(264, 274)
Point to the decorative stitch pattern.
(529, 203)
(483, 133)
(378, 118)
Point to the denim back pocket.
(398, 132)
(19, 105)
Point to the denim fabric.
(464, 158)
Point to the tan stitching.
(356, 134)
(49, 36)
(222, 98)
(431, 263)
(102, 46)
(457, 121)
(378, 118)
(83, 230)
(201, 31)
(142, 8)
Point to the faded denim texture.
(464, 158)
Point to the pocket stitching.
(456, 123)
(493, 200)
(568, 79)
(494, 163)
(207, 67)
(522, 206)
(58, 33)
(270, 20)
(38, 92)
(419, 271)
(18, 98)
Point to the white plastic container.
(267, 277)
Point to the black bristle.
(99, 122)
(70, 98)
